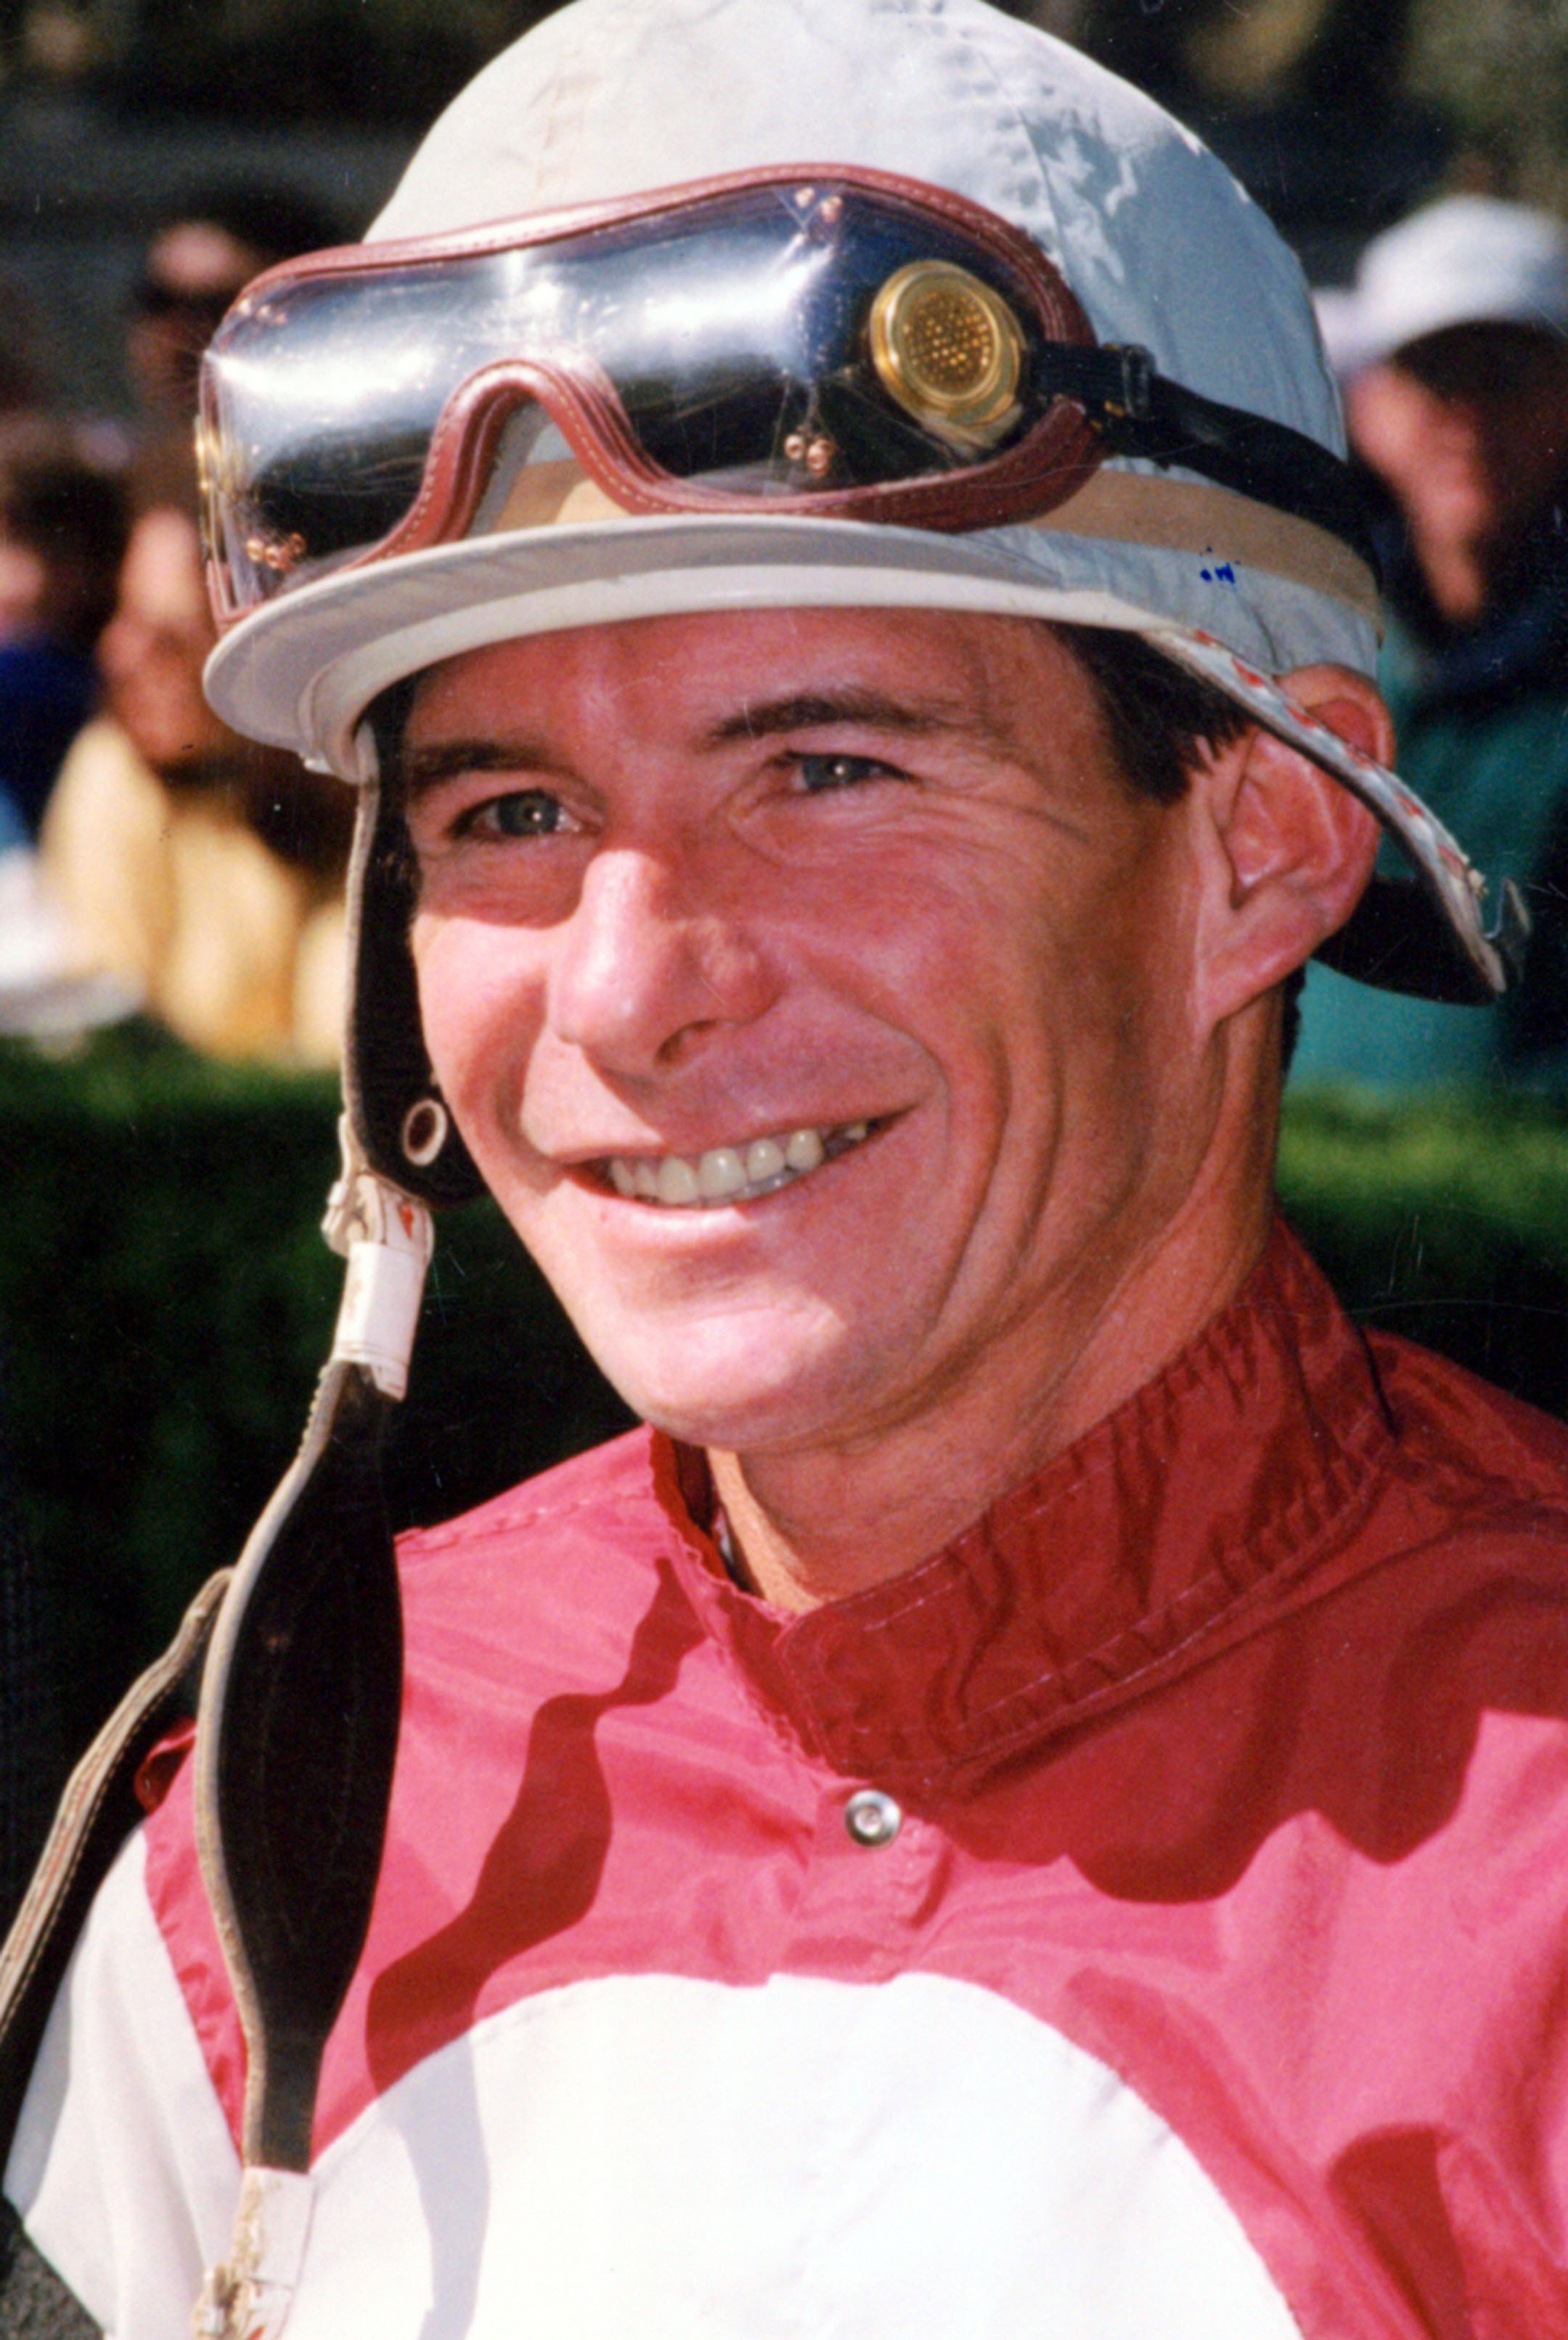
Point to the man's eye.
(819, 774)
(522, 812)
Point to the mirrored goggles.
(835, 341)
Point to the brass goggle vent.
(947, 348)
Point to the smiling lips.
(732, 1173)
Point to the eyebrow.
(420, 769)
(816, 711)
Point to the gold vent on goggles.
(947, 348)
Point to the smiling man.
(879, 1210)
(1030, 1799)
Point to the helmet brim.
(301, 671)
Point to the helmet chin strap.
(295, 1743)
(296, 1734)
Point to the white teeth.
(764, 1159)
(677, 1180)
(730, 1173)
(719, 1173)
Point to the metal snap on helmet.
(687, 306)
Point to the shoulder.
(103, 844)
(547, 1586)
(552, 1600)
(592, 1512)
(1448, 1602)
(1428, 1555)
(103, 773)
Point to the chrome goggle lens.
(769, 340)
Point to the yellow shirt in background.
(237, 951)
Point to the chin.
(729, 1394)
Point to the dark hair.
(1160, 720)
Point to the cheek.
(1391, 424)
(475, 1007)
(1048, 939)
(1128, 975)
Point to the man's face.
(845, 925)
(1469, 428)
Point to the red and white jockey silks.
(1149, 1916)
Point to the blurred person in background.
(24, 362)
(202, 254)
(63, 535)
(1452, 354)
(201, 870)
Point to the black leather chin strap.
(297, 1732)
(296, 1738)
(294, 1749)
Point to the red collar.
(1168, 1529)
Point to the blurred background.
(1336, 114)
(167, 1094)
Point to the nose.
(651, 967)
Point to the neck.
(818, 1525)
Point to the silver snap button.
(872, 1817)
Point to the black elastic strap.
(1139, 412)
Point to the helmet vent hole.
(424, 1132)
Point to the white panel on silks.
(123, 2169)
(681, 2160)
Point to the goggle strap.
(1139, 412)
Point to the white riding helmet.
(690, 305)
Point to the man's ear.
(1291, 848)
